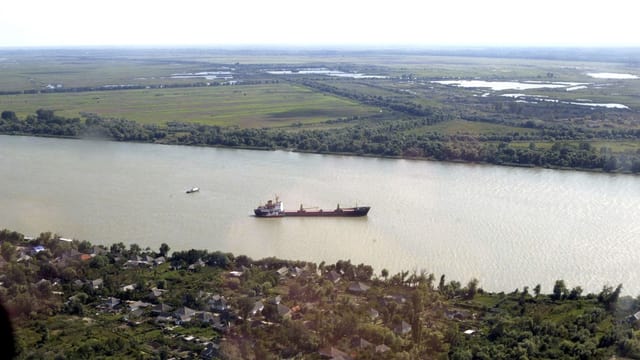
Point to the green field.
(266, 105)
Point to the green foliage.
(564, 324)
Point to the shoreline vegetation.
(386, 141)
(70, 299)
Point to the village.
(140, 303)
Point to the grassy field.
(267, 105)
(283, 104)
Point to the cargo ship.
(275, 208)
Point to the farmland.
(544, 107)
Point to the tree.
(134, 249)
(472, 288)
(8, 251)
(385, 274)
(559, 289)
(609, 297)
(536, 290)
(9, 115)
(164, 249)
(441, 285)
(610, 164)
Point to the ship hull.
(347, 212)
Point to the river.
(507, 227)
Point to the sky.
(36, 23)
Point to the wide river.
(507, 227)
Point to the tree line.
(372, 137)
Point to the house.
(402, 329)
(85, 257)
(400, 299)
(382, 348)
(296, 271)
(37, 249)
(219, 325)
(258, 306)
(111, 303)
(135, 305)
(196, 265)
(161, 309)
(283, 311)
(333, 353)
(218, 303)
(159, 260)
(333, 276)
(360, 343)
(455, 315)
(211, 351)
(358, 287)
(204, 316)
(96, 284)
(129, 287)
(374, 314)
(156, 293)
(184, 314)
(283, 271)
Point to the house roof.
(333, 353)
(360, 343)
(283, 310)
(358, 287)
(257, 307)
(112, 302)
(183, 310)
(382, 348)
(162, 308)
(333, 276)
(402, 328)
(373, 313)
(204, 316)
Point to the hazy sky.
(340, 22)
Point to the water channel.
(507, 227)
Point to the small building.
(161, 309)
(333, 276)
(403, 328)
(360, 343)
(184, 314)
(333, 353)
(283, 271)
(111, 303)
(97, 283)
(374, 314)
(218, 303)
(37, 249)
(358, 287)
(283, 311)
(258, 306)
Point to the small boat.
(192, 190)
(276, 209)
